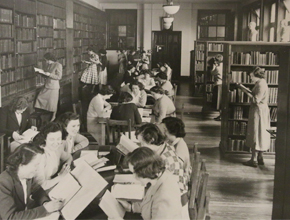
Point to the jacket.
(126, 111)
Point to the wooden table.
(2, 152)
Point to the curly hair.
(146, 163)
(258, 72)
(158, 89)
(51, 127)
(107, 90)
(22, 156)
(50, 56)
(125, 97)
(18, 103)
(162, 75)
(151, 134)
(136, 83)
(175, 126)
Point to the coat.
(12, 205)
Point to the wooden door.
(166, 46)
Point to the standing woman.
(163, 107)
(103, 71)
(47, 98)
(20, 196)
(258, 139)
(122, 61)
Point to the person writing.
(162, 199)
(20, 196)
(257, 137)
(47, 98)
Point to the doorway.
(166, 46)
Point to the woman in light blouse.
(138, 93)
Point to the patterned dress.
(91, 73)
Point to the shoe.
(251, 163)
(218, 118)
(260, 161)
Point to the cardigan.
(52, 81)
(162, 108)
(12, 205)
(126, 111)
(76, 143)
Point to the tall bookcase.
(240, 58)
(199, 68)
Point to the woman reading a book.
(71, 127)
(20, 196)
(257, 138)
(47, 98)
(50, 138)
(162, 199)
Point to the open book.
(29, 134)
(38, 70)
(128, 191)
(245, 88)
(126, 145)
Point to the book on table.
(125, 178)
(126, 145)
(130, 192)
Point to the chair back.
(114, 129)
(175, 87)
(78, 109)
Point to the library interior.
(151, 109)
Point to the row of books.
(59, 23)
(6, 15)
(209, 97)
(7, 61)
(42, 51)
(78, 43)
(24, 21)
(84, 19)
(45, 31)
(7, 76)
(62, 61)
(199, 66)
(8, 89)
(26, 6)
(237, 128)
(239, 145)
(77, 59)
(271, 76)
(199, 55)
(6, 31)
(199, 89)
(25, 34)
(45, 42)
(215, 47)
(254, 58)
(77, 51)
(24, 72)
(26, 59)
(58, 43)
(273, 95)
(84, 27)
(238, 96)
(239, 113)
(59, 12)
(26, 47)
(59, 53)
(210, 78)
(44, 20)
(83, 34)
(6, 46)
(59, 33)
(199, 47)
(273, 113)
(44, 8)
(199, 78)
(209, 87)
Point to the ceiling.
(164, 1)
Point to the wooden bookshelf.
(199, 68)
(239, 58)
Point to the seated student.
(165, 84)
(15, 120)
(163, 106)
(138, 93)
(129, 77)
(162, 199)
(168, 70)
(98, 106)
(146, 79)
(173, 129)
(149, 135)
(126, 110)
(50, 138)
(20, 196)
(71, 126)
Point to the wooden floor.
(237, 191)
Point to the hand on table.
(64, 170)
(54, 205)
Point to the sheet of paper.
(91, 159)
(146, 119)
(29, 134)
(128, 191)
(125, 178)
(111, 207)
(92, 184)
(65, 189)
(126, 145)
(85, 152)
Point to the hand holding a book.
(245, 89)
(16, 136)
(54, 205)
(126, 205)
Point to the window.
(272, 22)
(122, 29)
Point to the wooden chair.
(114, 129)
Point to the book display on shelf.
(239, 59)
(199, 68)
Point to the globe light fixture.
(167, 22)
(170, 8)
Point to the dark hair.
(66, 117)
(125, 97)
(93, 48)
(50, 56)
(22, 156)
(162, 75)
(130, 67)
(151, 134)
(18, 103)
(40, 138)
(158, 89)
(175, 126)
(160, 64)
(107, 90)
(136, 83)
(258, 72)
(146, 163)
(102, 51)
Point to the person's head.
(125, 97)
(24, 160)
(257, 73)
(102, 52)
(70, 123)
(145, 164)
(162, 76)
(18, 104)
(157, 92)
(49, 58)
(173, 128)
(107, 91)
(50, 136)
(219, 58)
(131, 68)
(150, 136)
(136, 86)
(146, 73)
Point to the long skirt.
(47, 99)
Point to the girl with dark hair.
(71, 127)
(97, 109)
(20, 196)
(138, 93)
(126, 109)
(163, 106)
(257, 137)
(165, 83)
(47, 98)
(50, 138)
(162, 199)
